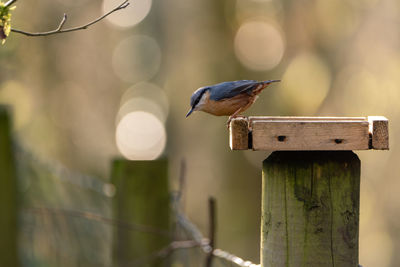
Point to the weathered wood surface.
(310, 209)
(309, 133)
(379, 128)
(239, 134)
(302, 118)
(8, 194)
(142, 202)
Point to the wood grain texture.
(302, 118)
(310, 134)
(310, 209)
(239, 134)
(379, 129)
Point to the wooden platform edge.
(240, 137)
(379, 131)
(239, 134)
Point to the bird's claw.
(228, 122)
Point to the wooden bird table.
(310, 184)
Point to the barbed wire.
(96, 217)
(64, 174)
(198, 239)
(60, 172)
(203, 242)
(195, 233)
(164, 252)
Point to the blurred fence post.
(142, 201)
(8, 194)
(310, 209)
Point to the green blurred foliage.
(5, 21)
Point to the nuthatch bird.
(227, 98)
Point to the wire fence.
(65, 219)
(51, 196)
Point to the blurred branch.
(9, 3)
(60, 29)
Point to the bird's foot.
(240, 116)
(228, 122)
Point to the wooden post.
(8, 194)
(310, 184)
(141, 202)
(310, 209)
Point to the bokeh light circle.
(369, 92)
(137, 58)
(141, 104)
(305, 84)
(131, 15)
(259, 45)
(140, 136)
(335, 20)
(149, 91)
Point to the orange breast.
(227, 107)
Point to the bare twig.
(64, 19)
(212, 226)
(9, 3)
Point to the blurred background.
(79, 98)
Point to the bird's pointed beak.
(272, 81)
(190, 112)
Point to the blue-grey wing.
(231, 89)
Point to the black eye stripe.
(198, 98)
